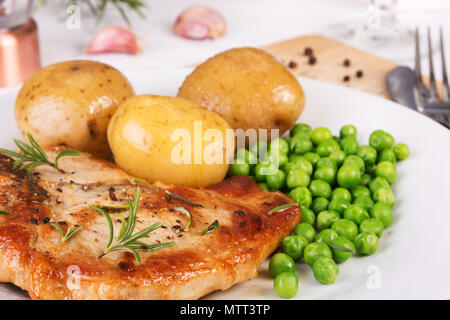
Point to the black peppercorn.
(346, 63)
(346, 78)
(308, 51)
(312, 60)
(292, 64)
(359, 74)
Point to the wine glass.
(379, 32)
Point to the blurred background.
(64, 32)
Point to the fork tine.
(433, 90)
(444, 67)
(418, 69)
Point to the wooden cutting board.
(329, 66)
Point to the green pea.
(259, 149)
(280, 263)
(364, 202)
(341, 193)
(355, 161)
(386, 170)
(366, 243)
(325, 148)
(306, 231)
(263, 186)
(325, 270)
(346, 228)
(387, 155)
(326, 174)
(320, 188)
(277, 157)
(286, 285)
(348, 176)
(293, 246)
(239, 169)
(372, 225)
(301, 128)
(382, 212)
(245, 156)
(312, 157)
(349, 145)
(262, 170)
(360, 191)
(304, 164)
(381, 140)
(365, 179)
(321, 134)
(279, 145)
(338, 156)
(326, 236)
(319, 204)
(368, 154)
(384, 195)
(314, 250)
(302, 196)
(325, 219)
(342, 242)
(378, 183)
(289, 166)
(326, 162)
(301, 144)
(297, 178)
(338, 205)
(348, 130)
(308, 216)
(356, 214)
(277, 180)
(401, 151)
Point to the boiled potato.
(171, 140)
(71, 103)
(249, 88)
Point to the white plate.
(413, 260)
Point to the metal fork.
(427, 99)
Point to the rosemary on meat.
(4, 212)
(68, 234)
(282, 207)
(210, 228)
(136, 179)
(126, 240)
(34, 156)
(176, 196)
(185, 212)
(112, 209)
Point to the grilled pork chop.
(33, 257)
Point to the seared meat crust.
(33, 257)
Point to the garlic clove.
(200, 22)
(114, 39)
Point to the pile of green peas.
(343, 188)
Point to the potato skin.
(71, 103)
(248, 87)
(141, 138)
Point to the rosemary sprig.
(34, 156)
(282, 207)
(126, 240)
(98, 7)
(184, 200)
(185, 212)
(210, 228)
(4, 212)
(68, 234)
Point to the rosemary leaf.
(66, 235)
(282, 207)
(184, 200)
(4, 212)
(210, 228)
(185, 212)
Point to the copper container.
(19, 49)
